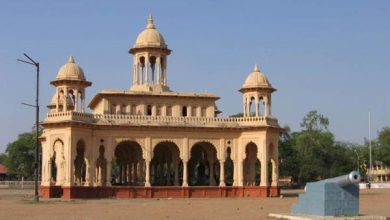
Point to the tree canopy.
(19, 156)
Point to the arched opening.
(101, 167)
(80, 165)
(261, 106)
(202, 165)
(251, 166)
(72, 99)
(184, 111)
(252, 106)
(165, 165)
(152, 61)
(229, 168)
(53, 169)
(149, 110)
(61, 101)
(128, 164)
(141, 70)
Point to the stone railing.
(69, 116)
(121, 119)
(378, 171)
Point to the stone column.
(257, 106)
(240, 172)
(248, 107)
(243, 105)
(57, 100)
(185, 175)
(199, 111)
(147, 173)
(76, 100)
(147, 69)
(158, 70)
(82, 102)
(90, 175)
(264, 172)
(222, 173)
(47, 178)
(65, 107)
(154, 110)
(268, 106)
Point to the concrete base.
(315, 217)
(126, 192)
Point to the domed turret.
(150, 54)
(70, 86)
(70, 70)
(256, 79)
(256, 92)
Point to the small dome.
(150, 37)
(256, 79)
(71, 71)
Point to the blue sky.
(332, 56)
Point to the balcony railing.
(139, 120)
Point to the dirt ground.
(17, 204)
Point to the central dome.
(150, 37)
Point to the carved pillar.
(257, 106)
(264, 166)
(244, 106)
(222, 173)
(147, 173)
(158, 69)
(185, 175)
(76, 100)
(147, 64)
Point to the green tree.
(2, 158)
(313, 121)
(19, 158)
(287, 155)
(383, 151)
(319, 156)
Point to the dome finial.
(71, 59)
(150, 22)
(256, 68)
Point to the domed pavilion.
(148, 141)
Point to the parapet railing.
(123, 119)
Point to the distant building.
(380, 172)
(149, 141)
(3, 172)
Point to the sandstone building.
(149, 141)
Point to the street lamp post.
(358, 159)
(36, 106)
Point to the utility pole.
(36, 106)
(369, 144)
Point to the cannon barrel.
(351, 178)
